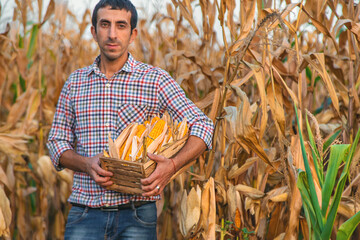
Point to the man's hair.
(116, 4)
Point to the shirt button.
(107, 85)
(107, 124)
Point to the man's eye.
(121, 25)
(104, 24)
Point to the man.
(105, 97)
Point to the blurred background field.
(245, 64)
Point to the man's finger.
(148, 188)
(100, 179)
(107, 184)
(101, 171)
(149, 180)
(156, 158)
(153, 192)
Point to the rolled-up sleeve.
(61, 136)
(179, 106)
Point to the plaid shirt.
(90, 106)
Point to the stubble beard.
(112, 56)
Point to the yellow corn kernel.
(155, 119)
(141, 129)
(155, 131)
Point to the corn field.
(251, 66)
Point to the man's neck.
(109, 68)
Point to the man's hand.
(99, 175)
(89, 165)
(160, 177)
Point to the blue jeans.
(131, 223)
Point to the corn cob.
(156, 130)
(153, 136)
(154, 120)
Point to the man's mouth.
(112, 46)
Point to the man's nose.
(112, 32)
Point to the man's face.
(113, 33)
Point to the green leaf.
(43, 85)
(347, 228)
(338, 192)
(331, 140)
(33, 40)
(305, 196)
(13, 89)
(22, 83)
(310, 180)
(21, 42)
(337, 155)
(308, 73)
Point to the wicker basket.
(127, 174)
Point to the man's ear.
(93, 33)
(133, 35)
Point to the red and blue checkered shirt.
(90, 106)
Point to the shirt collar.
(128, 66)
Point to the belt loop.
(86, 209)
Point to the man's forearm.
(71, 160)
(192, 149)
(90, 165)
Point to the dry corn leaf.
(47, 173)
(187, 14)
(183, 212)
(119, 141)
(249, 191)
(260, 80)
(231, 201)
(244, 131)
(295, 202)
(49, 12)
(208, 207)
(13, 144)
(4, 179)
(5, 214)
(319, 65)
(112, 148)
(192, 210)
(18, 109)
(319, 26)
(128, 142)
(247, 16)
(276, 104)
(235, 171)
(280, 198)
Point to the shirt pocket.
(129, 113)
